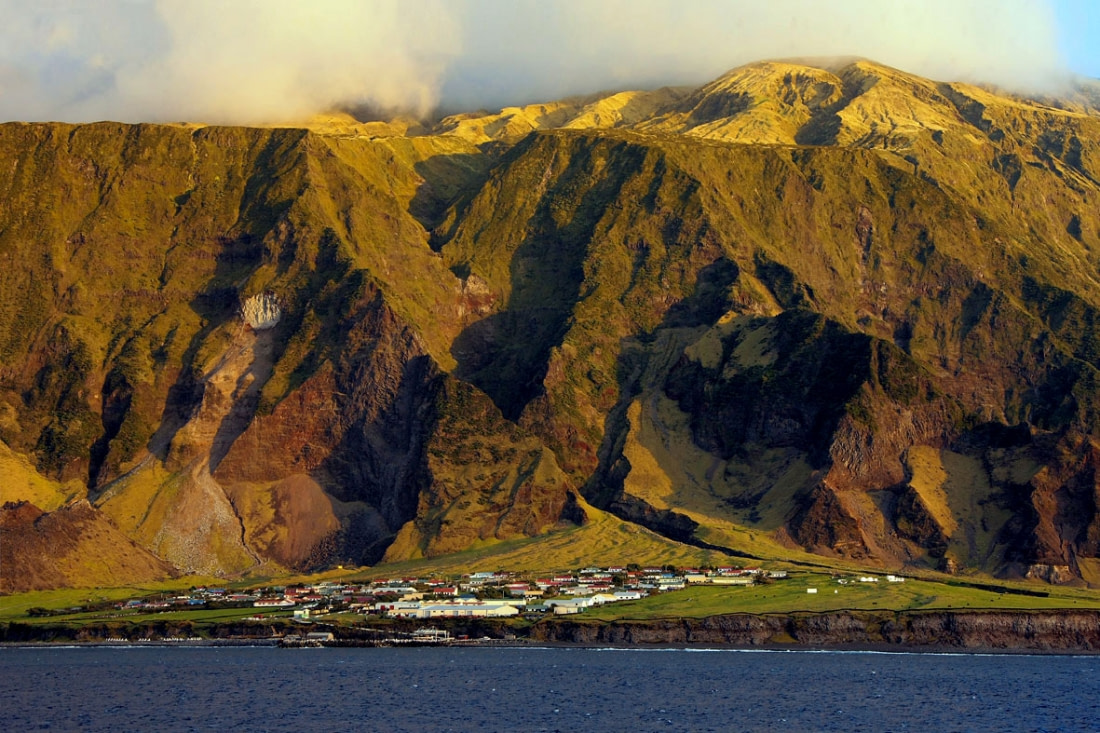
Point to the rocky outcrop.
(822, 524)
(490, 480)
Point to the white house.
(469, 610)
(397, 608)
(733, 580)
(563, 606)
(395, 590)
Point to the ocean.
(540, 689)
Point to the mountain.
(807, 309)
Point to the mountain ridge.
(842, 311)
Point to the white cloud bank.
(248, 61)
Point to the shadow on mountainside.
(448, 180)
(216, 304)
(637, 372)
(507, 354)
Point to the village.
(495, 594)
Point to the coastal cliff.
(1062, 631)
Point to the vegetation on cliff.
(798, 312)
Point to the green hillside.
(841, 315)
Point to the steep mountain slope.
(126, 364)
(880, 342)
(806, 308)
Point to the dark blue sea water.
(525, 689)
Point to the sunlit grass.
(608, 538)
(16, 605)
(790, 596)
(200, 616)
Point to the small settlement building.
(468, 609)
(566, 607)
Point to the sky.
(1077, 24)
(251, 61)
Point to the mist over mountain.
(252, 62)
(805, 309)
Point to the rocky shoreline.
(1065, 631)
(972, 631)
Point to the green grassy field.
(789, 596)
(198, 616)
(15, 606)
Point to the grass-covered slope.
(834, 310)
(74, 546)
(222, 449)
(817, 310)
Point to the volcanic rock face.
(835, 310)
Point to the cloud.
(541, 50)
(248, 61)
(208, 60)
